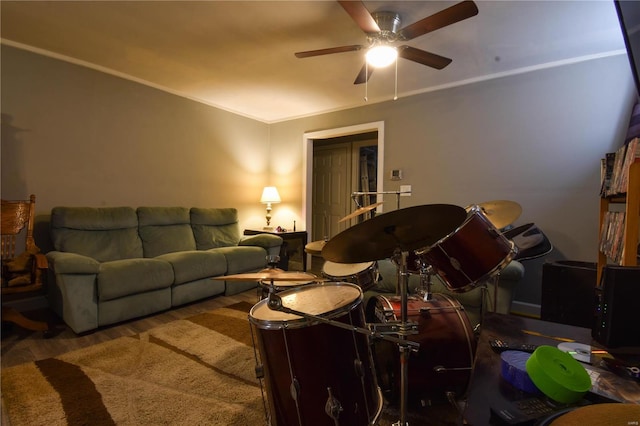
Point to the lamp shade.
(270, 195)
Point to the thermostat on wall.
(396, 174)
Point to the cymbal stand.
(404, 352)
(397, 193)
(272, 263)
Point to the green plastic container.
(558, 375)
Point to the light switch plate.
(405, 188)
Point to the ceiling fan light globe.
(381, 56)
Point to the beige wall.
(78, 137)
(534, 138)
(74, 136)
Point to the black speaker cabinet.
(568, 292)
(617, 321)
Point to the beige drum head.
(332, 269)
(325, 300)
(285, 285)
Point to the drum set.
(325, 359)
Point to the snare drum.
(317, 373)
(471, 254)
(363, 274)
(444, 361)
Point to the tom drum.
(363, 274)
(471, 254)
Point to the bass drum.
(317, 373)
(444, 361)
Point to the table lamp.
(269, 195)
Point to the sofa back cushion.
(165, 230)
(214, 228)
(104, 233)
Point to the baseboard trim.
(525, 309)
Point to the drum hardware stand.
(397, 194)
(259, 370)
(426, 272)
(484, 308)
(272, 263)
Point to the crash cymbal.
(501, 213)
(361, 210)
(407, 229)
(270, 274)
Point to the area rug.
(196, 371)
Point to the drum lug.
(332, 407)
(294, 389)
(357, 365)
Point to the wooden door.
(332, 185)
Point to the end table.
(285, 250)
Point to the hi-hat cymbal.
(270, 274)
(407, 229)
(361, 210)
(501, 212)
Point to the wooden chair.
(21, 272)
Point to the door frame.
(307, 153)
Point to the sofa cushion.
(104, 233)
(214, 228)
(132, 276)
(165, 230)
(244, 258)
(194, 265)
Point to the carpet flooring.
(194, 371)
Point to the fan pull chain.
(395, 93)
(366, 81)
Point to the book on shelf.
(615, 169)
(612, 235)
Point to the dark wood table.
(488, 391)
(287, 249)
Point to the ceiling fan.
(382, 32)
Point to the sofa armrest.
(266, 241)
(72, 263)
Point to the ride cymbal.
(361, 210)
(270, 274)
(407, 229)
(501, 212)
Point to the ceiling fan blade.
(319, 52)
(448, 16)
(361, 16)
(422, 57)
(364, 75)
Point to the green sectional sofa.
(113, 264)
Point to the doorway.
(344, 170)
(315, 225)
